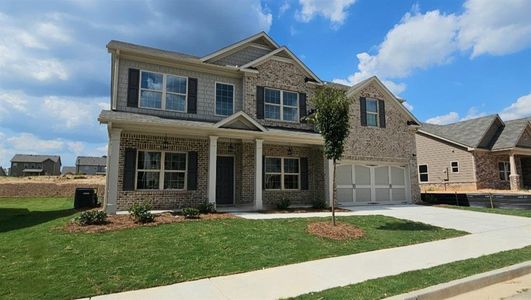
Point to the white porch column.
(258, 204)
(111, 181)
(514, 178)
(329, 180)
(212, 163)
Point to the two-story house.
(35, 165)
(91, 165)
(226, 128)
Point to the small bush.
(91, 217)
(140, 212)
(206, 207)
(191, 213)
(319, 204)
(283, 203)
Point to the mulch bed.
(340, 232)
(301, 210)
(119, 222)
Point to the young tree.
(331, 119)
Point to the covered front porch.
(514, 167)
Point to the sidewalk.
(491, 233)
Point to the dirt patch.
(119, 222)
(301, 210)
(49, 186)
(340, 232)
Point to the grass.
(501, 211)
(41, 261)
(415, 280)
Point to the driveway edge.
(467, 284)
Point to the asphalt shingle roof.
(468, 133)
(34, 158)
(91, 161)
(511, 133)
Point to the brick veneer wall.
(487, 171)
(315, 176)
(161, 199)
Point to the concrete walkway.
(491, 233)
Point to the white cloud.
(408, 106)
(495, 27)
(453, 117)
(283, 8)
(12, 101)
(333, 10)
(424, 40)
(27, 142)
(521, 108)
(71, 114)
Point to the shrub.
(283, 203)
(140, 212)
(206, 207)
(319, 204)
(92, 217)
(191, 213)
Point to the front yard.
(39, 259)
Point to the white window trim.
(282, 173)
(216, 100)
(163, 91)
(377, 113)
(506, 170)
(452, 167)
(427, 172)
(162, 170)
(282, 105)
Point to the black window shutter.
(133, 84)
(302, 105)
(263, 173)
(381, 113)
(363, 111)
(192, 95)
(192, 171)
(129, 169)
(259, 102)
(304, 173)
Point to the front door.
(225, 180)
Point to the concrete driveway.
(490, 233)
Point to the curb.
(460, 286)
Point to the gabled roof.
(469, 133)
(34, 158)
(362, 84)
(240, 120)
(511, 134)
(113, 44)
(278, 51)
(259, 36)
(91, 161)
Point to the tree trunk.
(333, 202)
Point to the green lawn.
(501, 211)
(39, 260)
(415, 280)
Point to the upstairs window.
(505, 170)
(455, 167)
(224, 99)
(423, 173)
(281, 105)
(163, 91)
(372, 113)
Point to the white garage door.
(357, 183)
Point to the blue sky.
(451, 60)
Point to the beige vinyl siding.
(439, 155)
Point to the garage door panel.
(381, 175)
(345, 195)
(344, 175)
(382, 194)
(363, 195)
(363, 175)
(399, 194)
(398, 176)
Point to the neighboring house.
(34, 165)
(68, 170)
(482, 153)
(91, 165)
(226, 128)
(2, 172)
